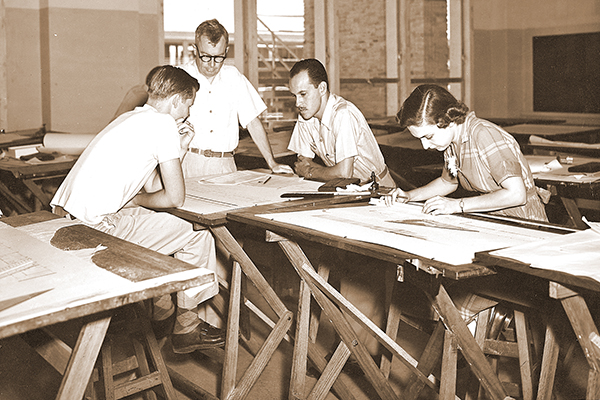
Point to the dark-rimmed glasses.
(218, 59)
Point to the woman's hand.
(442, 205)
(396, 195)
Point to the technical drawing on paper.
(21, 267)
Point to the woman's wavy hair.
(431, 105)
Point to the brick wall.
(361, 27)
(362, 47)
(428, 42)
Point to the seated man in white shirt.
(134, 163)
(333, 129)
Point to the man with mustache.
(333, 129)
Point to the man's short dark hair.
(315, 70)
(166, 80)
(213, 30)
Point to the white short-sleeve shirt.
(343, 132)
(220, 106)
(117, 163)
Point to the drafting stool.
(135, 328)
(146, 368)
(497, 338)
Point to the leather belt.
(210, 153)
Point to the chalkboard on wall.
(566, 73)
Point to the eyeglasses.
(218, 59)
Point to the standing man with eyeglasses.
(226, 99)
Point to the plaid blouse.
(485, 156)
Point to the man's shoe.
(212, 331)
(204, 336)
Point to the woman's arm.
(437, 187)
(512, 194)
(154, 183)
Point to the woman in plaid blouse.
(478, 155)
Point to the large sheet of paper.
(240, 189)
(446, 238)
(576, 253)
(54, 280)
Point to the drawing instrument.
(431, 224)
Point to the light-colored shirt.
(221, 106)
(486, 156)
(117, 163)
(342, 133)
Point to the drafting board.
(68, 279)
(536, 140)
(550, 169)
(446, 238)
(240, 189)
(576, 254)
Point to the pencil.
(266, 180)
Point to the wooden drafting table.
(387, 124)
(576, 190)
(524, 133)
(500, 121)
(31, 175)
(208, 200)
(362, 230)
(558, 139)
(570, 267)
(247, 155)
(57, 286)
(279, 142)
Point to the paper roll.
(66, 143)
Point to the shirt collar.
(148, 106)
(464, 127)
(327, 118)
